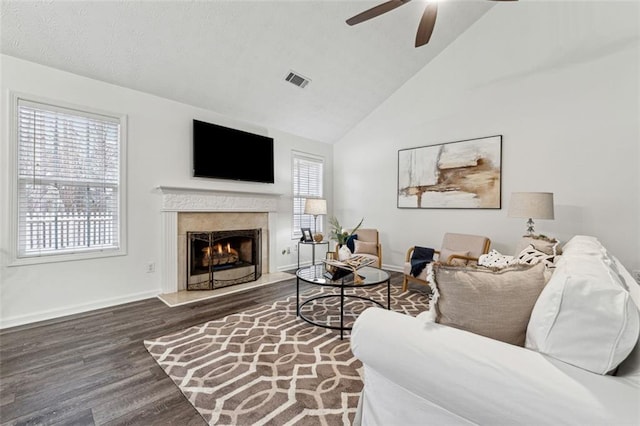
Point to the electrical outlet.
(636, 275)
(151, 267)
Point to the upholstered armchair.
(367, 243)
(455, 249)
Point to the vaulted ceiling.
(232, 57)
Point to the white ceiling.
(232, 56)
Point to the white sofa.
(418, 372)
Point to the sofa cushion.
(585, 316)
(364, 247)
(584, 244)
(490, 302)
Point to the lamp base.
(318, 237)
(530, 227)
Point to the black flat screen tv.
(223, 153)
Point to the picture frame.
(464, 174)
(307, 237)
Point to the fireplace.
(217, 259)
(203, 210)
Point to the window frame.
(296, 232)
(14, 258)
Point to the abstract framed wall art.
(455, 175)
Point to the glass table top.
(315, 274)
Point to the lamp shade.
(533, 205)
(315, 206)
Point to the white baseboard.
(286, 268)
(394, 268)
(294, 266)
(76, 309)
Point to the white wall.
(560, 82)
(159, 153)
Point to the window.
(69, 181)
(308, 174)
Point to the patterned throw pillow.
(530, 256)
(495, 259)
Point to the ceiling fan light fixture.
(427, 22)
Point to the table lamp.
(315, 207)
(531, 205)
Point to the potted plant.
(340, 234)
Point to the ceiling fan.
(427, 22)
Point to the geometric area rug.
(266, 366)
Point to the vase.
(343, 252)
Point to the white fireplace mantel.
(181, 199)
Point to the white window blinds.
(68, 180)
(308, 174)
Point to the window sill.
(56, 258)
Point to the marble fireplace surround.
(185, 207)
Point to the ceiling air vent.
(297, 79)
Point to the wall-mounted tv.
(223, 153)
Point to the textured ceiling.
(232, 56)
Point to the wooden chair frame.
(407, 278)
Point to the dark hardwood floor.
(93, 369)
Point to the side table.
(313, 245)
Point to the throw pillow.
(586, 316)
(495, 259)
(539, 242)
(445, 253)
(365, 247)
(350, 242)
(530, 256)
(493, 303)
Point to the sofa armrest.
(486, 381)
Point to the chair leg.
(405, 283)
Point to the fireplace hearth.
(217, 259)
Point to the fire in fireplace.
(222, 258)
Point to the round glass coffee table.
(314, 275)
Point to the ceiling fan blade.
(376, 11)
(427, 23)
